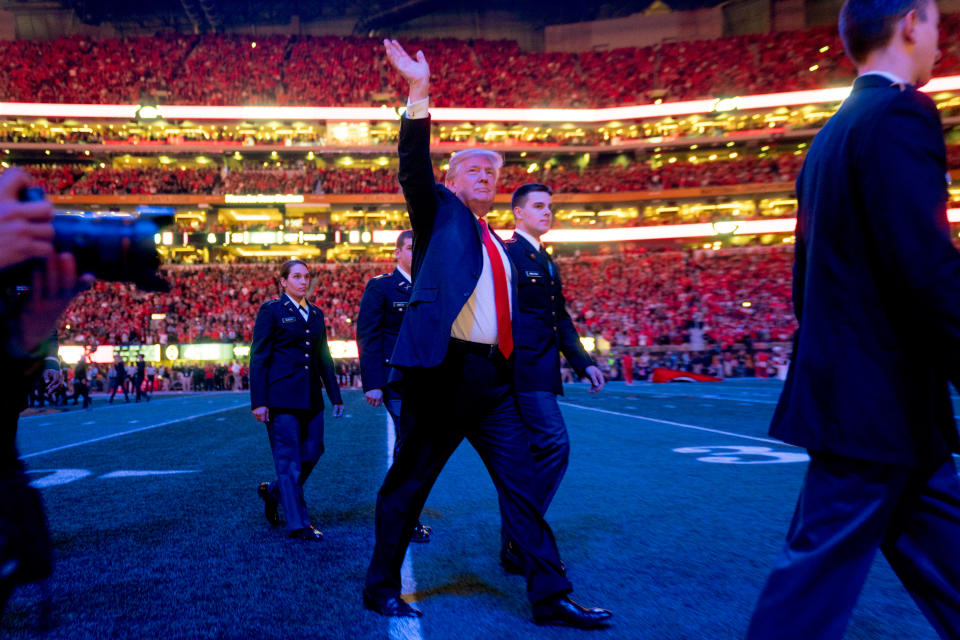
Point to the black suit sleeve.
(567, 336)
(260, 356)
(370, 337)
(903, 183)
(416, 173)
(328, 370)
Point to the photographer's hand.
(26, 230)
(54, 286)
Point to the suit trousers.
(296, 439)
(548, 442)
(849, 508)
(468, 396)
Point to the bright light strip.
(386, 236)
(953, 215)
(665, 232)
(444, 114)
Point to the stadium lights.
(445, 114)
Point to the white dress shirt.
(303, 308)
(477, 321)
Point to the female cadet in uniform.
(290, 363)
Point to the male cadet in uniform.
(542, 330)
(378, 323)
(877, 295)
(455, 350)
(140, 378)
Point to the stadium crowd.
(627, 300)
(218, 69)
(309, 179)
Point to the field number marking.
(744, 455)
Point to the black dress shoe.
(564, 612)
(510, 561)
(391, 606)
(421, 533)
(271, 509)
(308, 533)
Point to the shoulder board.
(272, 301)
(511, 240)
(381, 276)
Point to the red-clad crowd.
(308, 179)
(628, 300)
(217, 69)
(670, 298)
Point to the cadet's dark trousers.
(141, 392)
(393, 404)
(847, 510)
(470, 395)
(296, 438)
(548, 442)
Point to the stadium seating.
(646, 299)
(217, 69)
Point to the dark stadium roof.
(371, 14)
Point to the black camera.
(119, 248)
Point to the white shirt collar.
(529, 238)
(404, 273)
(892, 77)
(295, 303)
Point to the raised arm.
(416, 169)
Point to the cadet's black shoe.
(391, 607)
(271, 509)
(421, 533)
(308, 533)
(510, 561)
(564, 612)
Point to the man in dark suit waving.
(542, 330)
(378, 323)
(455, 348)
(877, 295)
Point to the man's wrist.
(418, 109)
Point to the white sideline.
(402, 628)
(125, 433)
(675, 424)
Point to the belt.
(476, 348)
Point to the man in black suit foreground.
(543, 329)
(455, 348)
(877, 295)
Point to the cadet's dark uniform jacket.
(381, 312)
(543, 329)
(290, 360)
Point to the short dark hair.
(403, 237)
(519, 197)
(868, 25)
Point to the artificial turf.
(676, 546)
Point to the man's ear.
(907, 26)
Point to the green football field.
(671, 514)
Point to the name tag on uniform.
(288, 319)
(533, 274)
(400, 305)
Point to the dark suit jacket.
(876, 284)
(543, 328)
(381, 312)
(290, 360)
(447, 257)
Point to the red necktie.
(500, 295)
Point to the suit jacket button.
(308, 330)
(308, 343)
